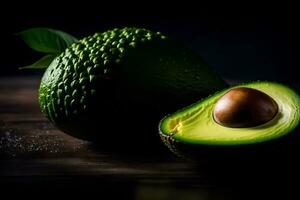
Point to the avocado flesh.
(195, 124)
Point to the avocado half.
(193, 129)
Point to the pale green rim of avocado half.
(195, 124)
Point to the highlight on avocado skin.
(195, 125)
(105, 84)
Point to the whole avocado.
(122, 80)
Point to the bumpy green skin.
(122, 80)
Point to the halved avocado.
(194, 129)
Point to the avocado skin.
(120, 81)
(282, 149)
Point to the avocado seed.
(244, 107)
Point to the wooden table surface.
(35, 157)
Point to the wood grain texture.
(36, 157)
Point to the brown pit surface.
(244, 107)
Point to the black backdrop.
(244, 46)
(247, 45)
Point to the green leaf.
(47, 40)
(44, 62)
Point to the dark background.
(241, 44)
(244, 45)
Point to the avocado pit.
(244, 107)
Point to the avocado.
(111, 83)
(251, 116)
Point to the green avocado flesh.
(195, 124)
(120, 79)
